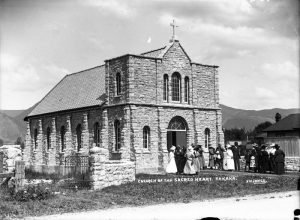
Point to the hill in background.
(248, 119)
(12, 124)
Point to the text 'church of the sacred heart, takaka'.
(133, 107)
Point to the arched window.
(97, 134)
(118, 83)
(166, 87)
(146, 137)
(186, 89)
(62, 138)
(48, 138)
(117, 135)
(78, 134)
(207, 137)
(177, 123)
(35, 134)
(176, 87)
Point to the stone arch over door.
(177, 132)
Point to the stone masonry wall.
(41, 155)
(113, 67)
(292, 163)
(205, 91)
(146, 158)
(104, 172)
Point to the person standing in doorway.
(177, 158)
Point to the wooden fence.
(290, 146)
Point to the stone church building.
(134, 106)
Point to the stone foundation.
(292, 163)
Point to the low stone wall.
(11, 154)
(292, 163)
(104, 172)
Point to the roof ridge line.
(85, 70)
(150, 51)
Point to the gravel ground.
(271, 206)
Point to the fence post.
(19, 175)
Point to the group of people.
(190, 160)
(265, 159)
(185, 160)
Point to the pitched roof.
(154, 53)
(159, 53)
(288, 123)
(75, 90)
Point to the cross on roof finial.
(173, 26)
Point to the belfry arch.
(177, 132)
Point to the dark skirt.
(280, 168)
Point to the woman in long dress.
(171, 167)
(211, 163)
(196, 160)
(189, 168)
(230, 161)
(201, 158)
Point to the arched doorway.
(176, 132)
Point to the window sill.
(146, 151)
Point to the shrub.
(32, 192)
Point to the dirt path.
(273, 206)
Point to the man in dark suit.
(236, 156)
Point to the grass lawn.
(148, 190)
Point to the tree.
(1, 142)
(277, 117)
(259, 128)
(235, 134)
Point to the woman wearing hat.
(229, 159)
(171, 167)
(197, 160)
(189, 168)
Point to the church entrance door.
(176, 132)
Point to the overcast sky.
(255, 43)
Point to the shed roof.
(291, 122)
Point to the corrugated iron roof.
(288, 123)
(74, 91)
